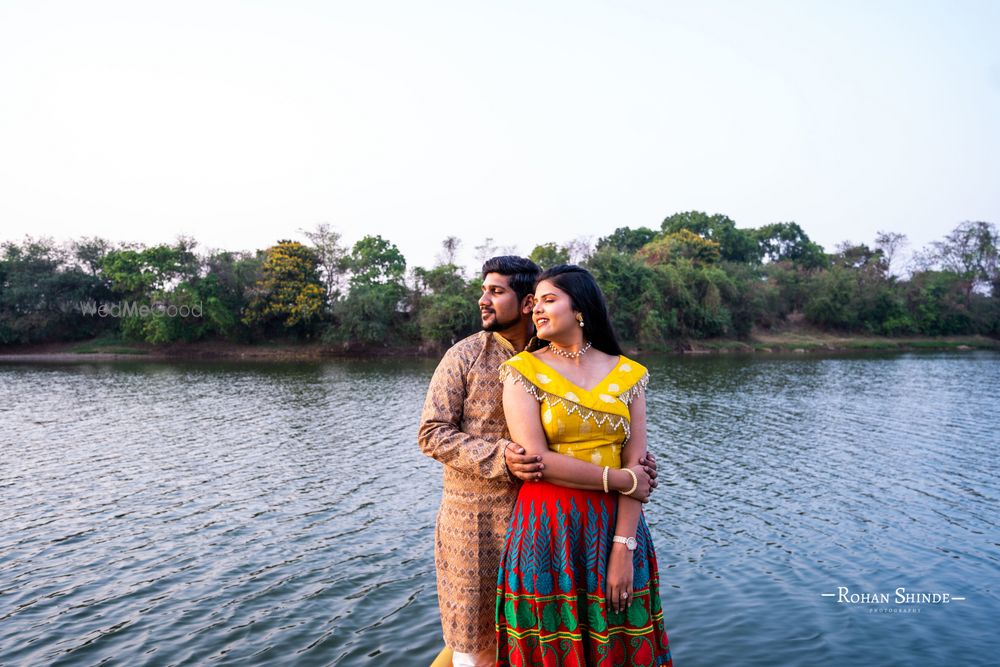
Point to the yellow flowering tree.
(289, 292)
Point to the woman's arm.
(620, 571)
(525, 425)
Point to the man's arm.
(528, 468)
(440, 435)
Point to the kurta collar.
(504, 343)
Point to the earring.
(579, 318)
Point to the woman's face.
(553, 314)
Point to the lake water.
(228, 513)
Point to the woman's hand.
(644, 486)
(620, 578)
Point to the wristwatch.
(629, 542)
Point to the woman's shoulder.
(524, 363)
(523, 359)
(632, 379)
(631, 367)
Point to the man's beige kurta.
(463, 427)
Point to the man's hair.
(588, 300)
(521, 273)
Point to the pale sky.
(239, 123)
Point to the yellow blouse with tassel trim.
(593, 425)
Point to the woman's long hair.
(586, 298)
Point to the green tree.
(634, 301)
(860, 257)
(971, 252)
(626, 240)
(40, 294)
(373, 260)
(90, 253)
(682, 244)
(735, 245)
(936, 301)
(137, 272)
(781, 241)
(831, 295)
(373, 312)
(549, 254)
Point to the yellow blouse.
(589, 425)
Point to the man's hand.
(648, 461)
(524, 467)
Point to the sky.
(242, 123)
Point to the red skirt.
(551, 608)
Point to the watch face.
(631, 544)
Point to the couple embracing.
(542, 552)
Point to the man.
(463, 427)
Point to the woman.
(578, 581)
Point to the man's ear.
(527, 304)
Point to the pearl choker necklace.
(568, 355)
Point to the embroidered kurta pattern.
(463, 427)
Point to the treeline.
(696, 276)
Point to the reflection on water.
(277, 514)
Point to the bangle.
(635, 482)
(606, 479)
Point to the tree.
(780, 241)
(226, 289)
(971, 252)
(677, 245)
(289, 292)
(139, 271)
(860, 257)
(634, 302)
(445, 304)
(579, 249)
(90, 252)
(332, 257)
(442, 279)
(449, 250)
(41, 296)
(735, 245)
(626, 240)
(372, 311)
(890, 244)
(937, 302)
(549, 254)
(830, 299)
(374, 260)
(489, 249)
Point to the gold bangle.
(635, 482)
(606, 479)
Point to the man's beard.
(498, 325)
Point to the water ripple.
(170, 514)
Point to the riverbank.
(799, 339)
(806, 340)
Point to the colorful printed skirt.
(551, 608)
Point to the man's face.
(498, 306)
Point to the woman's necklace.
(568, 355)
